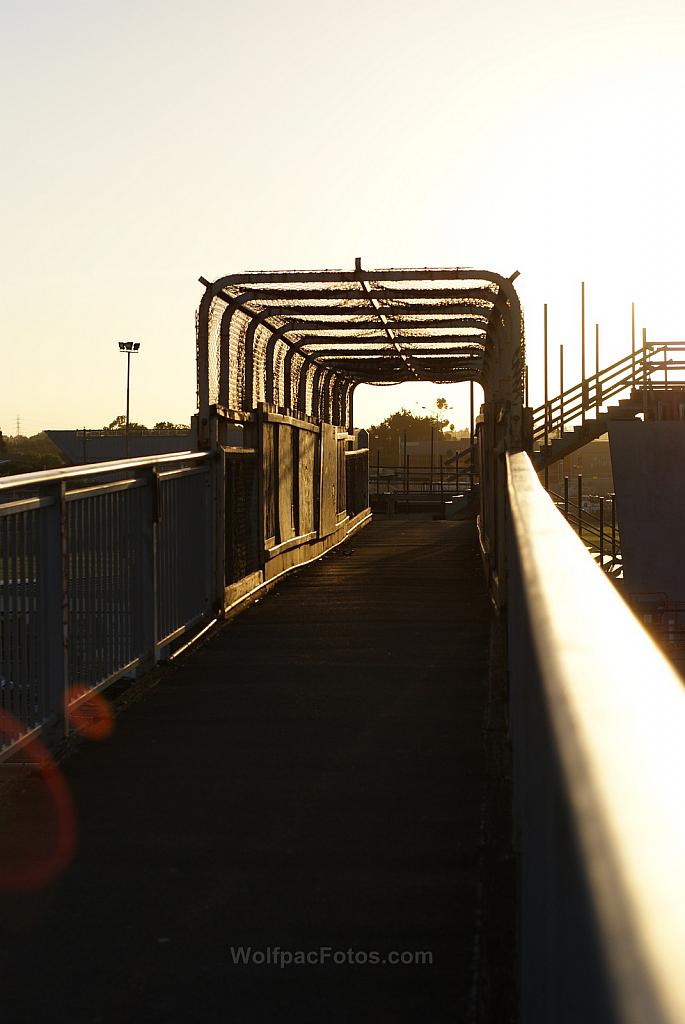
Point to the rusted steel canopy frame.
(451, 323)
(326, 407)
(302, 385)
(463, 341)
(361, 317)
(340, 388)
(388, 330)
(316, 392)
(277, 334)
(500, 370)
(238, 304)
(465, 351)
(234, 306)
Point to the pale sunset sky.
(147, 143)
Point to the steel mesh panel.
(309, 403)
(216, 312)
(236, 359)
(261, 342)
(298, 360)
(280, 353)
(242, 519)
(357, 482)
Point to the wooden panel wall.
(287, 467)
(270, 462)
(329, 479)
(308, 479)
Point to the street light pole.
(128, 348)
(128, 393)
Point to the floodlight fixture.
(128, 348)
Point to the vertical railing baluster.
(613, 527)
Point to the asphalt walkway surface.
(312, 782)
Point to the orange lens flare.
(92, 717)
(37, 821)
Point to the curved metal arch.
(292, 305)
(326, 404)
(302, 386)
(340, 391)
(277, 335)
(316, 392)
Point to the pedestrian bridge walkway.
(317, 774)
(328, 773)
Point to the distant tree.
(28, 454)
(388, 435)
(168, 425)
(119, 423)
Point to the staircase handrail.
(629, 371)
(572, 400)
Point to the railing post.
(580, 505)
(378, 471)
(632, 340)
(544, 335)
(365, 483)
(566, 497)
(583, 385)
(218, 471)
(57, 584)
(613, 527)
(598, 387)
(561, 391)
(144, 605)
(471, 436)
(601, 533)
(156, 511)
(441, 476)
(456, 470)
(644, 372)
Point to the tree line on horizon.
(387, 437)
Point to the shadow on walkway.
(317, 777)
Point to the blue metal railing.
(102, 568)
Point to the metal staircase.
(642, 374)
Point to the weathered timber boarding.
(329, 480)
(308, 480)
